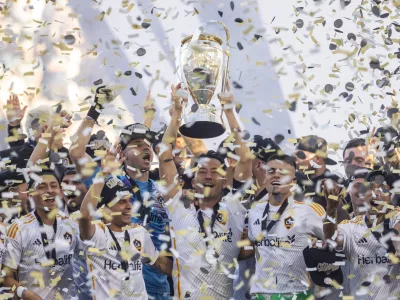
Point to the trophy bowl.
(202, 68)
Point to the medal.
(211, 257)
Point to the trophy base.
(202, 124)
(202, 130)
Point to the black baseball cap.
(324, 266)
(9, 179)
(317, 145)
(388, 135)
(113, 187)
(135, 131)
(264, 148)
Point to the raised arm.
(333, 196)
(51, 139)
(243, 169)
(149, 110)
(15, 114)
(109, 165)
(168, 171)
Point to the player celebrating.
(117, 251)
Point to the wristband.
(93, 113)
(20, 291)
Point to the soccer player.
(40, 246)
(366, 240)
(118, 250)
(281, 228)
(205, 232)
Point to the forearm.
(40, 152)
(149, 117)
(81, 140)
(91, 200)
(196, 146)
(330, 224)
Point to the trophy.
(202, 65)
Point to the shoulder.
(358, 220)
(257, 208)
(310, 206)
(137, 229)
(21, 224)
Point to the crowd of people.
(244, 221)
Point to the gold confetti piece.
(93, 250)
(221, 172)
(294, 141)
(100, 17)
(243, 243)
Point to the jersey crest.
(289, 222)
(137, 244)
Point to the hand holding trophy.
(203, 61)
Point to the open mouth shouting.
(276, 183)
(49, 200)
(146, 157)
(208, 184)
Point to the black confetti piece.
(239, 45)
(238, 20)
(365, 131)
(344, 95)
(328, 88)
(220, 13)
(69, 39)
(293, 106)
(138, 75)
(145, 25)
(385, 15)
(332, 46)
(397, 71)
(299, 23)
(110, 122)
(338, 23)
(349, 98)
(141, 51)
(349, 86)
(232, 5)
(344, 3)
(98, 82)
(289, 131)
(388, 41)
(237, 85)
(365, 86)
(59, 108)
(147, 73)
(310, 105)
(273, 19)
(375, 64)
(128, 73)
(382, 106)
(397, 27)
(255, 121)
(257, 36)
(351, 36)
(133, 91)
(364, 43)
(279, 138)
(204, 270)
(376, 11)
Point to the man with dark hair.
(281, 228)
(370, 240)
(124, 248)
(355, 155)
(40, 246)
(207, 226)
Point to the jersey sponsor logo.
(137, 244)
(228, 235)
(110, 265)
(277, 242)
(68, 237)
(288, 222)
(363, 240)
(257, 222)
(328, 268)
(369, 260)
(62, 261)
(37, 242)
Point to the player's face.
(357, 156)
(279, 177)
(123, 210)
(139, 154)
(74, 191)
(46, 192)
(208, 180)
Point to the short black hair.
(42, 173)
(211, 154)
(69, 171)
(354, 143)
(284, 157)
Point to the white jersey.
(108, 275)
(193, 276)
(3, 232)
(280, 266)
(368, 262)
(25, 252)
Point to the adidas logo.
(257, 222)
(113, 247)
(37, 242)
(362, 241)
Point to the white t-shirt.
(25, 253)
(280, 266)
(193, 276)
(368, 263)
(107, 271)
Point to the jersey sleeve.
(315, 217)
(99, 238)
(149, 250)
(173, 203)
(237, 211)
(12, 257)
(250, 220)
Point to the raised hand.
(111, 163)
(179, 97)
(14, 111)
(333, 193)
(148, 103)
